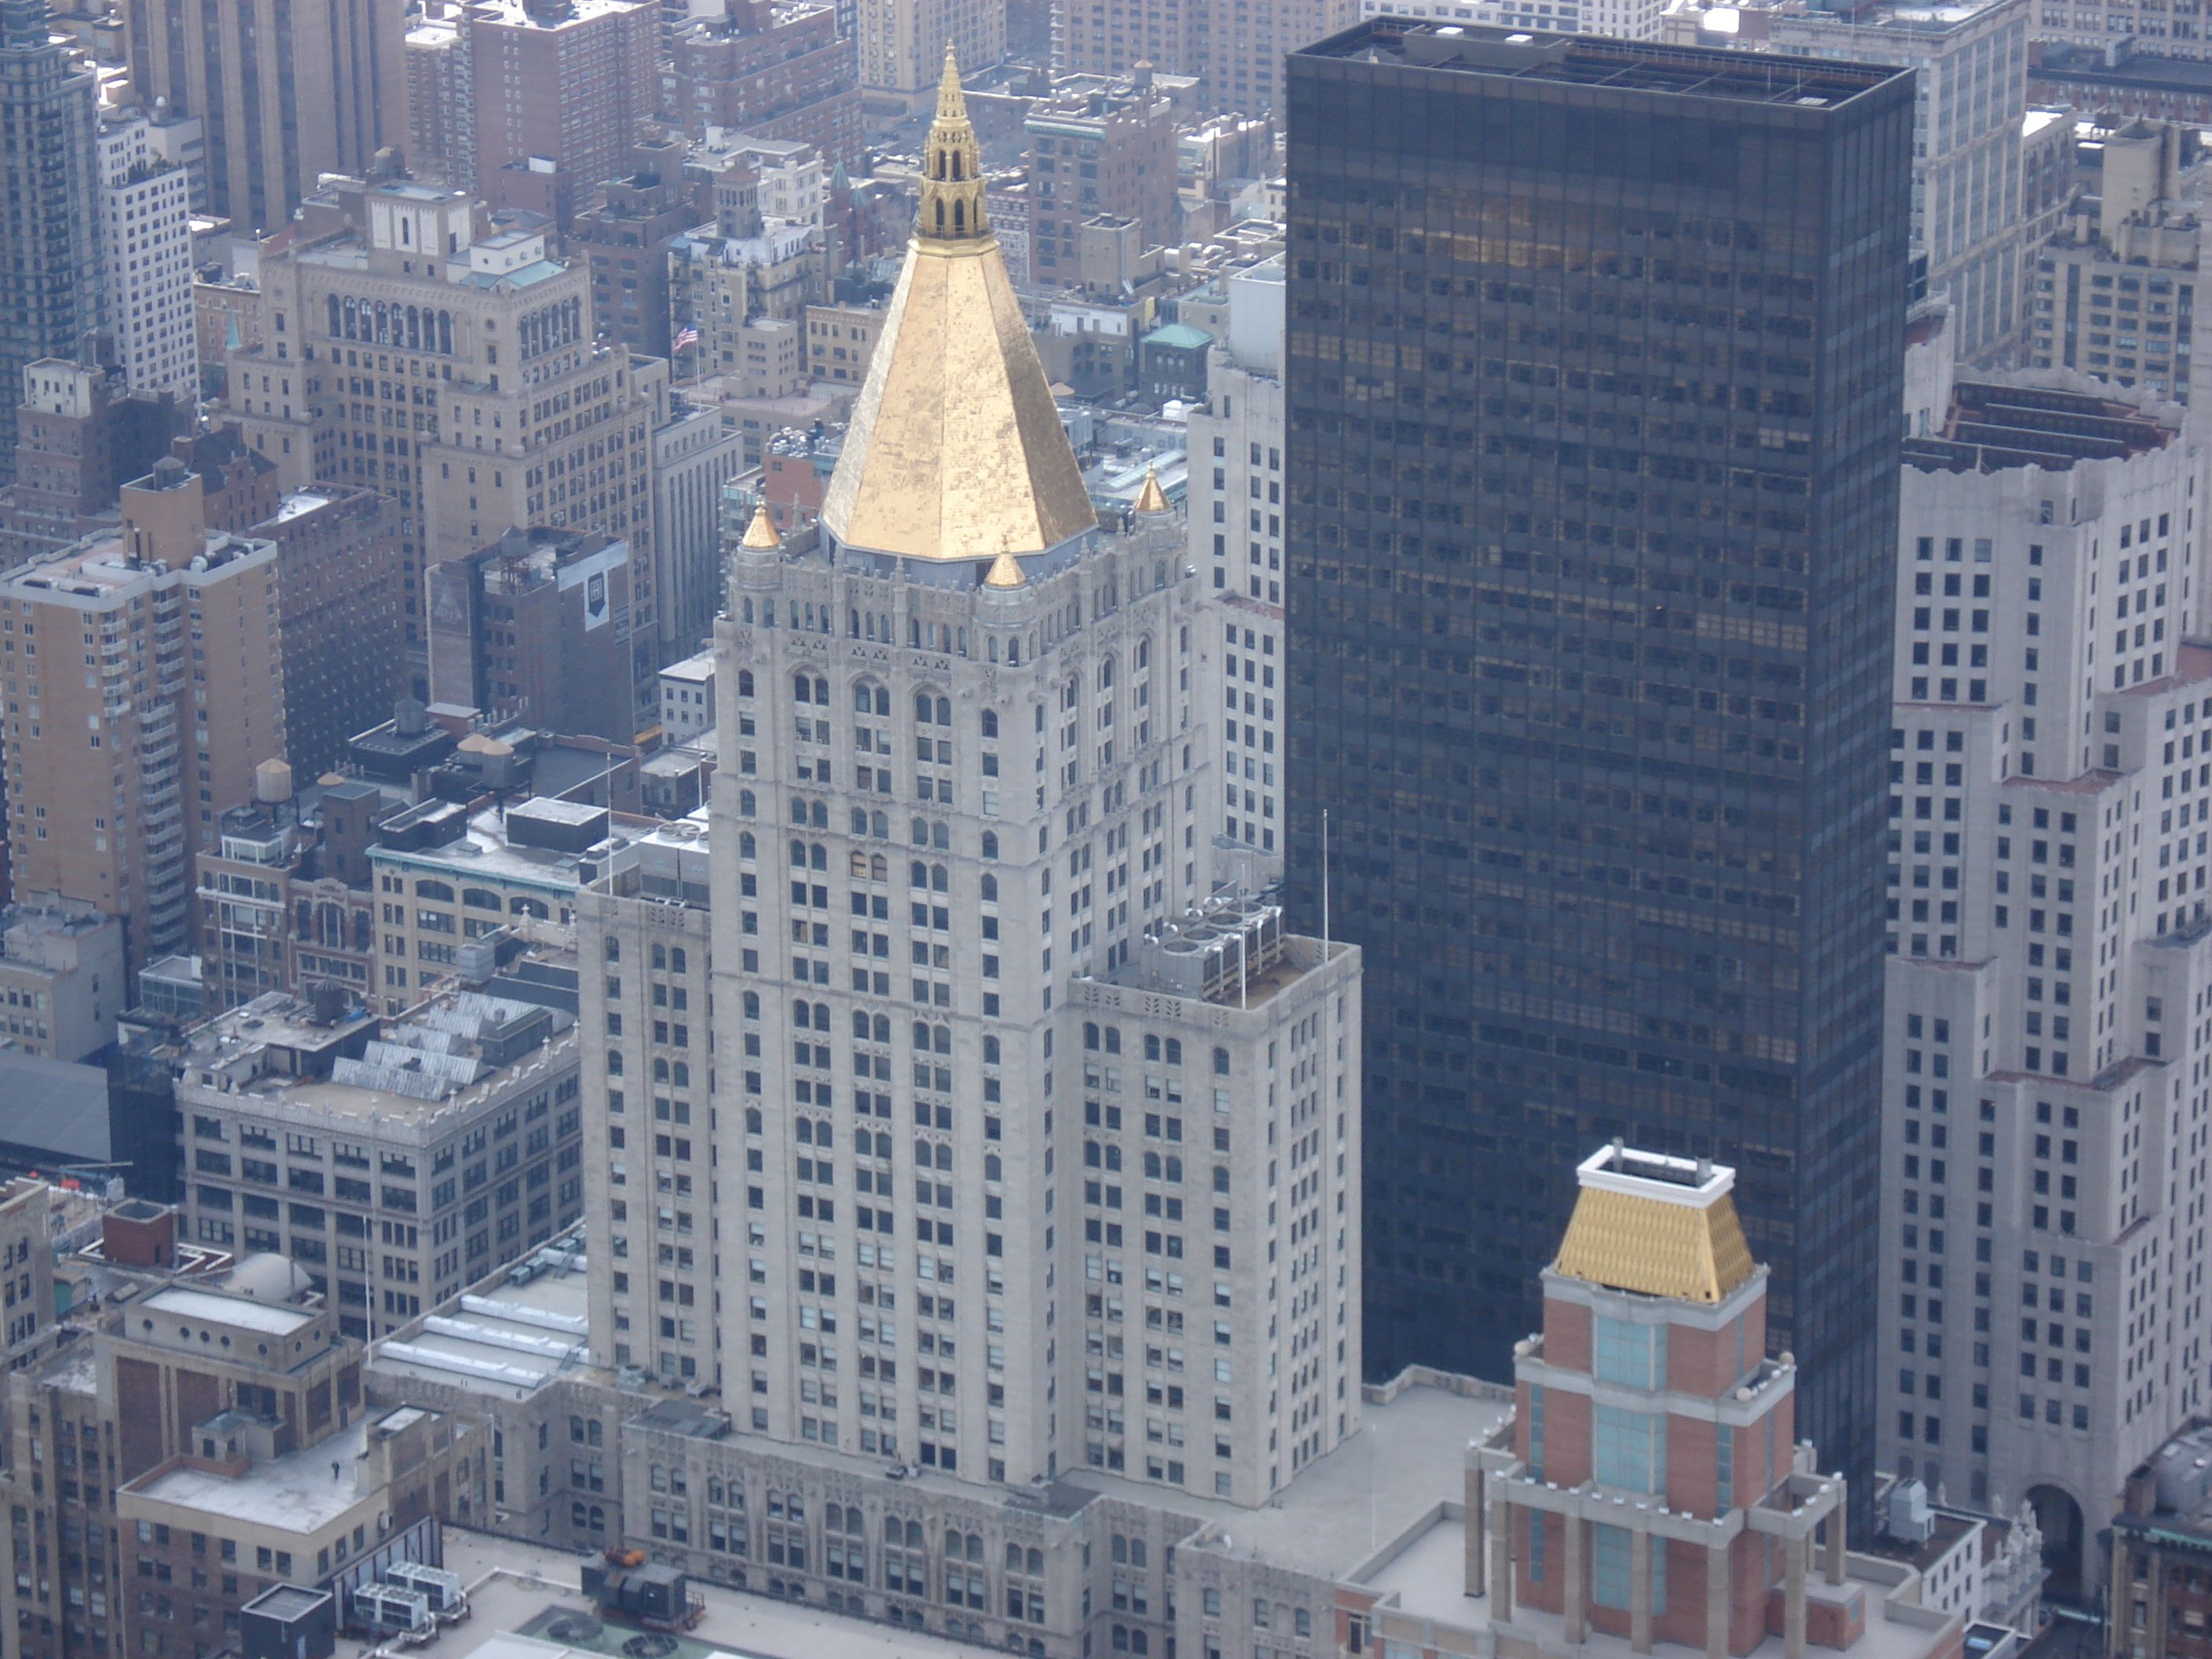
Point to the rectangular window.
(1634, 1356)
(1610, 1559)
(1536, 1547)
(1627, 1454)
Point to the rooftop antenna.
(1324, 885)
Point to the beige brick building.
(142, 684)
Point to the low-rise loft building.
(62, 980)
(394, 1159)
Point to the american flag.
(690, 336)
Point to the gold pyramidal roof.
(955, 450)
(1656, 1226)
(760, 534)
(1151, 498)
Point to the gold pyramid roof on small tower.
(1656, 1226)
(760, 534)
(955, 450)
(1151, 498)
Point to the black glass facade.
(1594, 381)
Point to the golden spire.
(951, 168)
(1151, 498)
(955, 449)
(1005, 572)
(760, 534)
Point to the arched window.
(747, 806)
(990, 722)
(859, 826)
(752, 1005)
(530, 907)
(1106, 674)
(990, 889)
(864, 698)
(802, 1014)
(942, 1037)
(990, 844)
(744, 682)
(925, 708)
(1151, 1047)
(798, 855)
(802, 687)
(861, 1023)
(433, 890)
(940, 837)
(1089, 1036)
(1144, 654)
(336, 327)
(884, 1035)
(480, 898)
(992, 1051)
(682, 1078)
(660, 1071)
(1221, 1062)
(1113, 1039)
(921, 1046)
(917, 874)
(919, 834)
(879, 826)
(752, 1120)
(747, 847)
(1175, 1051)
(945, 711)
(941, 879)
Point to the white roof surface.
(244, 1312)
(297, 1493)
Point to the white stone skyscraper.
(1024, 1150)
(2044, 1055)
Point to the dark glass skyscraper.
(50, 293)
(1594, 383)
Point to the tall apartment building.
(1236, 519)
(2050, 955)
(1606, 865)
(393, 1160)
(957, 972)
(145, 683)
(1098, 147)
(284, 94)
(379, 366)
(1971, 63)
(145, 212)
(78, 436)
(903, 44)
(440, 145)
(2115, 288)
(340, 586)
(52, 180)
(626, 234)
(772, 71)
(569, 83)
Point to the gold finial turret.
(1151, 498)
(760, 534)
(1005, 572)
(952, 169)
